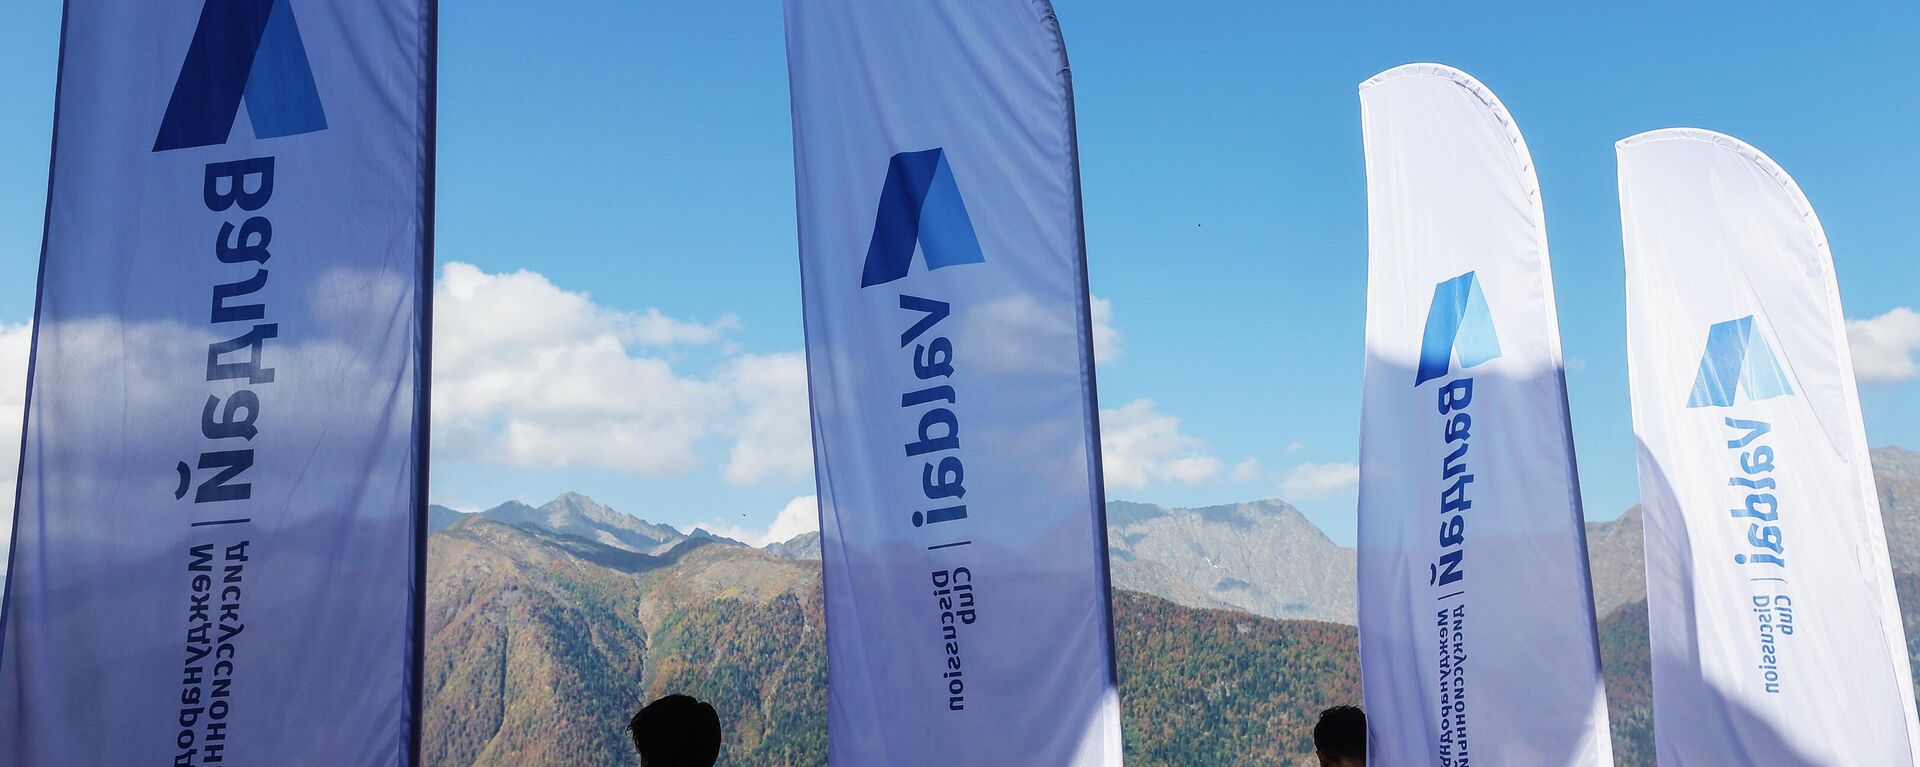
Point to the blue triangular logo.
(1737, 360)
(919, 205)
(1457, 321)
(242, 49)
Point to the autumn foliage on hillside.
(536, 656)
(1216, 687)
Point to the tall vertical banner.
(951, 374)
(1477, 641)
(1776, 638)
(219, 543)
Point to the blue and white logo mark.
(242, 49)
(920, 205)
(1737, 360)
(1458, 321)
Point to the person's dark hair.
(676, 731)
(1341, 736)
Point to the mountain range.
(579, 516)
(541, 643)
(1233, 625)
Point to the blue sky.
(639, 153)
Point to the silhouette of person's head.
(676, 731)
(1340, 739)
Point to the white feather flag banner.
(950, 362)
(1776, 638)
(1477, 638)
(220, 546)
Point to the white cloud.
(534, 309)
(773, 436)
(1038, 329)
(1246, 471)
(800, 515)
(528, 374)
(1139, 445)
(1106, 338)
(1319, 480)
(1884, 347)
(139, 372)
(14, 343)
